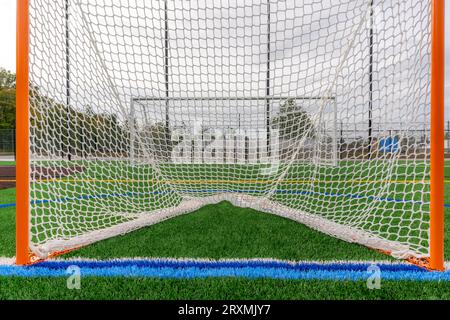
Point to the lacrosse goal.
(329, 113)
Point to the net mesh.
(317, 111)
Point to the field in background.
(216, 231)
(98, 194)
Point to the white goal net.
(317, 111)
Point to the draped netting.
(317, 111)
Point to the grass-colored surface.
(391, 198)
(8, 196)
(223, 231)
(7, 163)
(215, 231)
(134, 189)
(219, 288)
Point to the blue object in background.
(389, 144)
(395, 144)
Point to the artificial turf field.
(217, 232)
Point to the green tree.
(7, 108)
(7, 79)
(58, 129)
(293, 121)
(158, 139)
(7, 99)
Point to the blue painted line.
(309, 193)
(291, 192)
(276, 264)
(212, 269)
(7, 205)
(88, 197)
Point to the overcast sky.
(7, 44)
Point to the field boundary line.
(236, 268)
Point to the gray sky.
(7, 49)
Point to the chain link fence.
(7, 142)
(346, 136)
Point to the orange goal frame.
(23, 255)
(436, 260)
(437, 183)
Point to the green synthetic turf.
(214, 231)
(7, 196)
(112, 188)
(7, 163)
(224, 231)
(214, 222)
(216, 288)
(7, 223)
